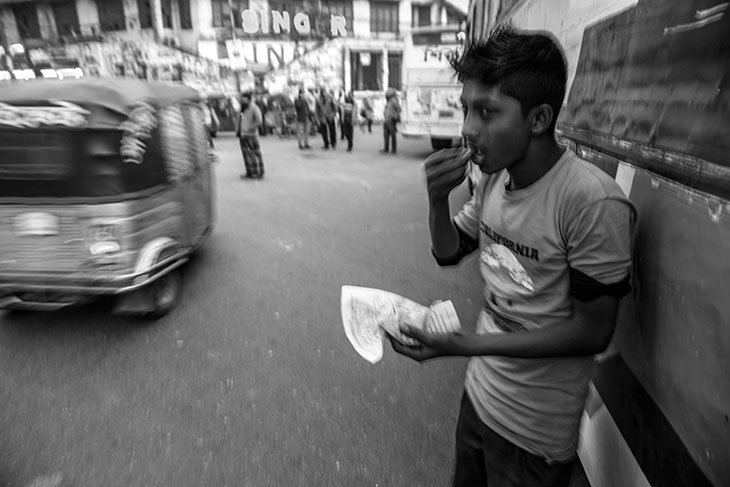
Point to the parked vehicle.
(106, 188)
(431, 106)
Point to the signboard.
(652, 77)
(277, 22)
(236, 56)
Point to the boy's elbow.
(447, 261)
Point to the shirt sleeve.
(599, 241)
(468, 218)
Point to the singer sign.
(277, 22)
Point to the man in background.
(326, 114)
(392, 117)
(347, 115)
(247, 127)
(304, 115)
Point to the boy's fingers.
(406, 350)
(413, 332)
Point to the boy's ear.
(541, 117)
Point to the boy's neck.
(541, 156)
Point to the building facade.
(176, 39)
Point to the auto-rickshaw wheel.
(165, 293)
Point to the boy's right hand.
(445, 170)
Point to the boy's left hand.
(431, 345)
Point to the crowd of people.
(312, 113)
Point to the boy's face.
(494, 126)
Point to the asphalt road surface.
(251, 381)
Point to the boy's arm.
(587, 332)
(599, 242)
(445, 170)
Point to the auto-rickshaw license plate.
(38, 224)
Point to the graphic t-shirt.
(575, 216)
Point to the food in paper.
(363, 315)
(367, 313)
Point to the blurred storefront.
(347, 45)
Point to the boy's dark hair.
(528, 66)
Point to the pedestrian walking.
(340, 102)
(347, 113)
(367, 115)
(304, 117)
(247, 126)
(554, 235)
(391, 119)
(262, 103)
(326, 111)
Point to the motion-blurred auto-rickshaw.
(106, 188)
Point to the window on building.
(222, 12)
(111, 15)
(366, 68)
(421, 15)
(383, 17)
(66, 17)
(167, 14)
(222, 50)
(395, 64)
(144, 7)
(454, 18)
(26, 17)
(335, 7)
(186, 19)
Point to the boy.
(554, 234)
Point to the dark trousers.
(347, 133)
(486, 459)
(389, 132)
(329, 133)
(252, 158)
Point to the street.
(251, 380)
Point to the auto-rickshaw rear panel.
(104, 187)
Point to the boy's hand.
(431, 344)
(445, 170)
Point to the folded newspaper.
(367, 314)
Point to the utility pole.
(157, 21)
(233, 38)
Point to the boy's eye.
(486, 113)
